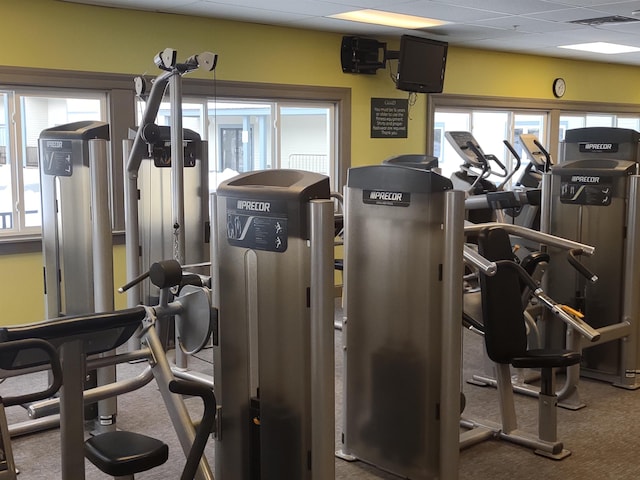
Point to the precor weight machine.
(80, 338)
(76, 232)
(593, 196)
(401, 329)
(272, 278)
(166, 175)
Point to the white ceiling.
(526, 26)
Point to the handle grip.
(584, 271)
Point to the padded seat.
(538, 358)
(122, 454)
(506, 341)
(502, 310)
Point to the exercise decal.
(258, 225)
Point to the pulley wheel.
(195, 323)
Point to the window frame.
(121, 104)
(554, 108)
(509, 124)
(340, 97)
(17, 113)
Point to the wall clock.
(559, 87)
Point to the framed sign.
(389, 117)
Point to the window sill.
(19, 244)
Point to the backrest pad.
(502, 312)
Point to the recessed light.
(602, 47)
(380, 17)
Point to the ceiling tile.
(513, 7)
(529, 26)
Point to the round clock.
(559, 87)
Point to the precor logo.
(254, 206)
(598, 146)
(388, 196)
(585, 179)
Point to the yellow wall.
(479, 72)
(21, 288)
(59, 35)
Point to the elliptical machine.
(485, 200)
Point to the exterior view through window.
(247, 136)
(23, 116)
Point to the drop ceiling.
(525, 26)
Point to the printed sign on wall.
(389, 117)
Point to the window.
(572, 120)
(306, 139)
(490, 128)
(484, 117)
(34, 99)
(580, 120)
(32, 111)
(251, 135)
(6, 169)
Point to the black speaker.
(362, 55)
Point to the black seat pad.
(123, 453)
(546, 359)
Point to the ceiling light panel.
(602, 47)
(450, 13)
(379, 17)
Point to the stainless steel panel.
(452, 273)
(631, 309)
(322, 351)
(66, 218)
(155, 213)
(264, 350)
(393, 304)
(267, 291)
(603, 227)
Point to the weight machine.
(166, 175)
(87, 336)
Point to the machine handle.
(192, 388)
(133, 282)
(482, 163)
(535, 235)
(547, 156)
(484, 160)
(164, 274)
(515, 169)
(526, 278)
(474, 258)
(515, 155)
(573, 321)
(479, 155)
(584, 271)
(12, 348)
(498, 162)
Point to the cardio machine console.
(460, 142)
(535, 154)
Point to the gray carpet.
(602, 436)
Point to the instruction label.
(389, 117)
(57, 156)
(586, 190)
(258, 225)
